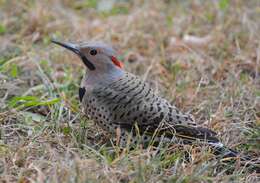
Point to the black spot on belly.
(81, 93)
(158, 119)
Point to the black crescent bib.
(81, 93)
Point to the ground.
(203, 56)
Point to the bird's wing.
(131, 101)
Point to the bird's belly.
(101, 116)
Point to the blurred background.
(203, 56)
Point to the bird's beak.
(70, 46)
(75, 48)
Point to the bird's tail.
(228, 154)
(225, 152)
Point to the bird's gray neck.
(93, 78)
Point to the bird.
(125, 106)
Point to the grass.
(202, 56)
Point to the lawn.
(203, 56)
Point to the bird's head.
(96, 56)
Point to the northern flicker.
(116, 99)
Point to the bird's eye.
(93, 52)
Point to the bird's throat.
(98, 77)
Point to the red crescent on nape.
(116, 62)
